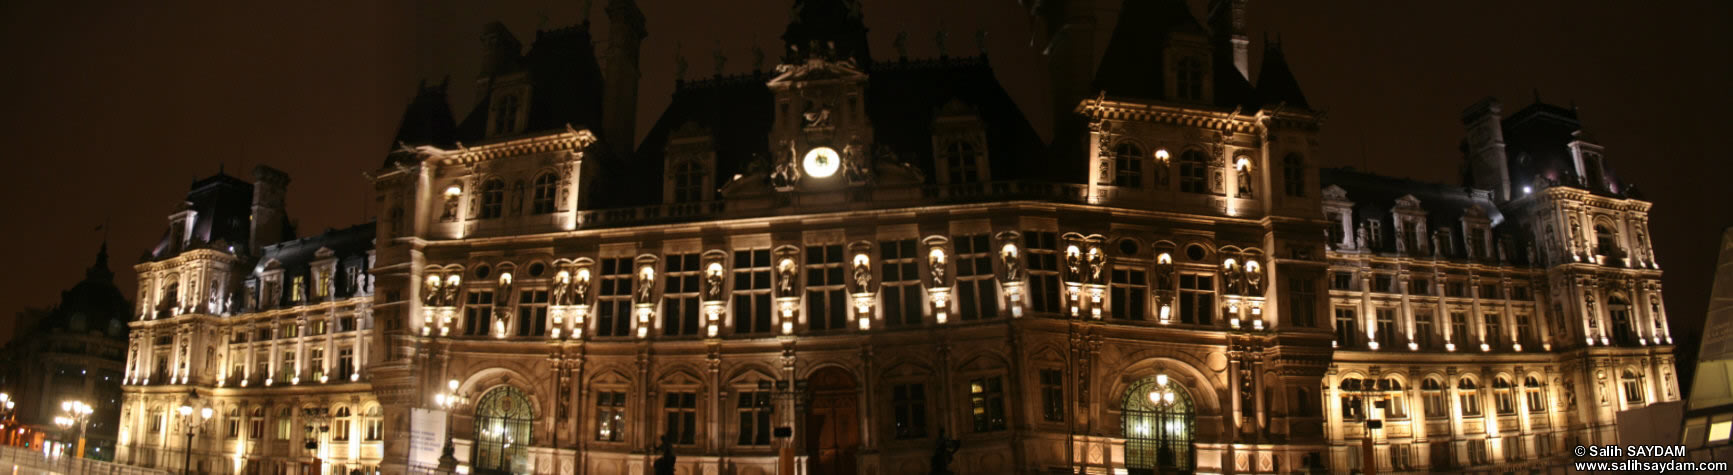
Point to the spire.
(825, 24)
(1276, 83)
(99, 272)
(626, 33)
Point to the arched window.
(1606, 241)
(171, 296)
(233, 421)
(1633, 387)
(340, 424)
(543, 200)
(1193, 172)
(1352, 398)
(1158, 425)
(962, 163)
(1128, 165)
(1189, 79)
(1469, 394)
(1396, 402)
(256, 426)
(492, 198)
(1536, 397)
(1436, 405)
(502, 431)
(1502, 392)
(371, 425)
(1294, 175)
(285, 423)
(688, 182)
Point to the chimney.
(620, 80)
(1488, 165)
(1227, 21)
(270, 212)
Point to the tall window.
(1193, 172)
(1523, 333)
(1127, 166)
(477, 312)
(1420, 286)
(1386, 327)
(1436, 405)
(492, 198)
(901, 283)
(1189, 79)
(297, 288)
(234, 420)
(614, 302)
(1397, 403)
(987, 403)
(680, 413)
(1130, 288)
(285, 423)
(316, 359)
(610, 416)
(542, 202)
(1052, 395)
(287, 369)
(688, 182)
(826, 304)
(289, 330)
(1196, 298)
(1303, 301)
(909, 402)
(1606, 242)
(752, 291)
(1459, 327)
(1492, 330)
(1042, 251)
(754, 410)
(372, 425)
(1375, 233)
(1345, 327)
(1469, 393)
(680, 295)
(505, 114)
(1536, 396)
(977, 292)
(962, 163)
(1633, 387)
(1294, 175)
(1352, 400)
(1502, 392)
(345, 362)
(532, 312)
(1423, 329)
(255, 426)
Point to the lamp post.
(449, 401)
(319, 420)
(191, 427)
(6, 412)
(77, 414)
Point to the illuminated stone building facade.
(876, 253)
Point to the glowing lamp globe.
(821, 162)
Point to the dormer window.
(962, 163)
(492, 198)
(1375, 233)
(1128, 165)
(1188, 79)
(688, 182)
(505, 114)
(543, 201)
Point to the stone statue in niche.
(786, 172)
(713, 281)
(646, 283)
(517, 198)
(863, 274)
(816, 115)
(1254, 278)
(1013, 267)
(581, 287)
(1245, 182)
(448, 295)
(1164, 275)
(1360, 236)
(1097, 264)
(1589, 308)
(1074, 263)
(1233, 276)
(430, 292)
(785, 270)
(502, 293)
(936, 265)
(558, 292)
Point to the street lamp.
(191, 427)
(77, 414)
(449, 401)
(6, 412)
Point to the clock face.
(821, 162)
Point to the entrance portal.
(832, 423)
(1159, 425)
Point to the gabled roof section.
(1276, 83)
(222, 213)
(817, 24)
(735, 110)
(1134, 64)
(1375, 197)
(904, 97)
(427, 121)
(564, 76)
(349, 245)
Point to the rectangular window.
(680, 295)
(477, 312)
(977, 290)
(680, 412)
(346, 324)
(1435, 406)
(1128, 170)
(1341, 281)
(752, 291)
(826, 304)
(240, 337)
(1506, 402)
(289, 330)
(1455, 288)
(1409, 243)
(1353, 406)
(532, 313)
(287, 369)
(987, 403)
(1519, 292)
(372, 427)
(901, 283)
(754, 409)
(1386, 327)
(1334, 231)
(1345, 327)
(614, 299)
(264, 333)
(264, 368)
(315, 327)
(1523, 333)
(1303, 301)
(610, 416)
(1458, 327)
(316, 360)
(1420, 286)
(1052, 395)
(1470, 402)
(1489, 291)
(256, 427)
(1492, 330)
(1196, 298)
(296, 285)
(1130, 289)
(1423, 329)
(1536, 400)
(1042, 251)
(1384, 283)
(345, 362)
(909, 402)
(285, 425)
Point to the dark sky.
(113, 110)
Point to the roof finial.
(720, 59)
(1537, 95)
(981, 40)
(901, 44)
(679, 64)
(757, 55)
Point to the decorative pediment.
(815, 69)
(1474, 212)
(324, 253)
(1335, 193)
(1408, 203)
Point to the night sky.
(111, 112)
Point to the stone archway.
(1160, 426)
(832, 422)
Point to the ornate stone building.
(882, 254)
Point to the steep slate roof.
(1537, 144)
(1134, 63)
(1276, 83)
(223, 206)
(1375, 196)
(349, 245)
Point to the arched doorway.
(832, 423)
(503, 419)
(1159, 425)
